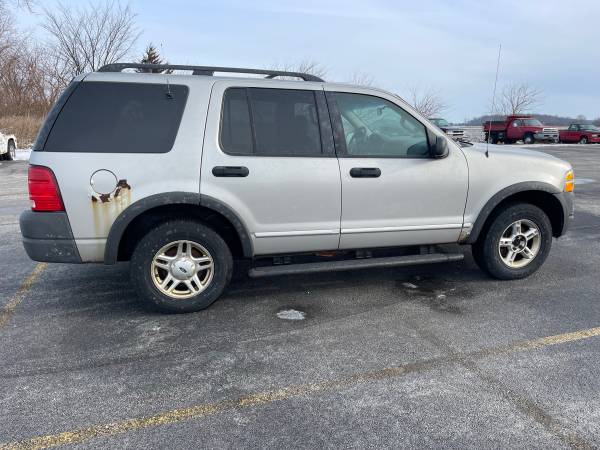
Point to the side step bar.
(349, 264)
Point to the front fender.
(509, 191)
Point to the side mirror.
(439, 149)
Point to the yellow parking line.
(207, 409)
(9, 308)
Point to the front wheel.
(181, 266)
(516, 243)
(528, 139)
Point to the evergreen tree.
(151, 56)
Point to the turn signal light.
(569, 181)
(43, 190)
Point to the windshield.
(589, 127)
(532, 123)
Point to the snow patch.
(23, 154)
(291, 314)
(584, 180)
(409, 285)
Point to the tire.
(184, 238)
(528, 139)
(491, 256)
(583, 140)
(11, 150)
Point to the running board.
(349, 264)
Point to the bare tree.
(362, 79)
(82, 39)
(519, 98)
(428, 102)
(304, 66)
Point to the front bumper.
(549, 137)
(47, 237)
(567, 201)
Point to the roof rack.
(208, 70)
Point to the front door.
(393, 192)
(268, 155)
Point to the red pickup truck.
(518, 128)
(581, 133)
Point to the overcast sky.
(450, 46)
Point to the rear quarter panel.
(142, 174)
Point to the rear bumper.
(47, 237)
(567, 202)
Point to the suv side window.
(110, 117)
(376, 127)
(270, 122)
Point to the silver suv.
(183, 174)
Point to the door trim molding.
(268, 234)
(446, 226)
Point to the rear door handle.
(230, 171)
(365, 172)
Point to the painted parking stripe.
(208, 409)
(8, 309)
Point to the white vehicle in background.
(8, 147)
(451, 131)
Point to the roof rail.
(207, 70)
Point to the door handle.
(230, 171)
(365, 172)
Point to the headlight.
(569, 181)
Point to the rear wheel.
(181, 266)
(516, 242)
(583, 140)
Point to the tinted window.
(119, 118)
(275, 122)
(376, 127)
(52, 115)
(236, 134)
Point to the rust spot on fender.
(106, 207)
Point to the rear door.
(268, 155)
(393, 192)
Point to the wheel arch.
(141, 216)
(542, 195)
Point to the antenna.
(169, 95)
(487, 147)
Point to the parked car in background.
(581, 133)
(519, 128)
(452, 131)
(8, 147)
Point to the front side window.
(532, 123)
(375, 127)
(270, 122)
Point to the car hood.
(512, 151)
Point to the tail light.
(43, 190)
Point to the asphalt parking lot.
(432, 356)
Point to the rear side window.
(270, 122)
(102, 117)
